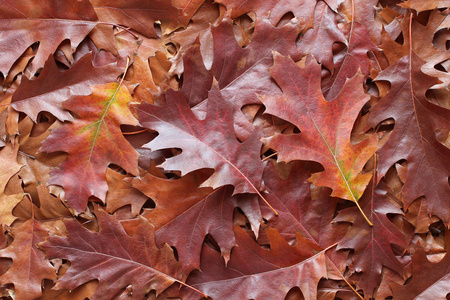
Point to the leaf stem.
(191, 287)
(267, 157)
(364, 215)
(346, 281)
(135, 132)
(267, 203)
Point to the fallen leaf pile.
(229, 149)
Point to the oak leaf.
(182, 207)
(420, 6)
(34, 175)
(319, 40)
(350, 61)
(30, 266)
(209, 143)
(325, 127)
(257, 273)
(242, 72)
(138, 14)
(113, 257)
(429, 280)
(8, 167)
(19, 34)
(49, 9)
(52, 87)
(372, 244)
(303, 10)
(299, 210)
(93, 141)
(121, 193)
(414, 137)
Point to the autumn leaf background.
(228, 149)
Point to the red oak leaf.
(429, 280)
(414, 138)
(298, 211)
(30, 266)
(93, 141)
(372, 244)
(325, 127)
(319, 40)
(350, 61)
(257, 273)
(242, 72)
(209, 143)
(113, 257)
(303, 10)
(21, 33)
(52, 87)
(185, 214)
(8, 167)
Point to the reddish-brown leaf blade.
(319, 40)
(19, 34)
(372, 244)
(8, 167)
(113, 257)
(209, 143)
(414, 138)
(93, 141)
(298, 211)
(303, 10)
(52, 87)
(429, 280)
(325, 127)
(30, 266)
(257, 273)
(352, 60)
(242, 72)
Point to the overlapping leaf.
(182, 207)
(304, 10)
(208, 65)
(277, 270)
(372, 245)
(110, 254)
(298, 211)
(30, 266)
(242, 72)
(52, 87)
(209, 143)
(8, 167)
(137, 14)
(23, 25)
(414, 138)
(429, 280)
(325, 127)
(93, 141)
